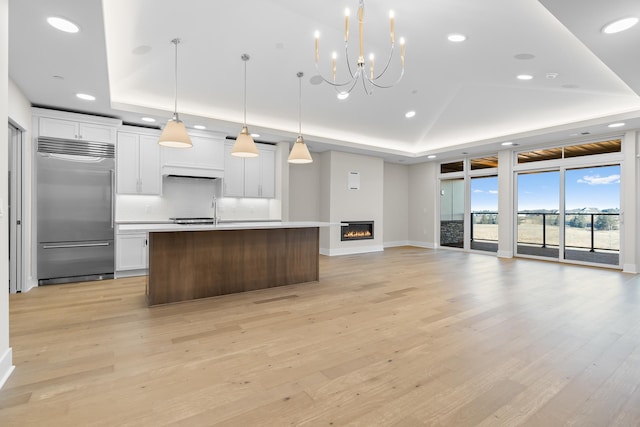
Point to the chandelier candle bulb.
(317, 35)
(393, 25)
(402, 50)
(334, 58)
(347, 12)
(361, 30)
(371, 64)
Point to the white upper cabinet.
(204, 159)
(233, 173)
(68, 129)
(251, 176)
(138, 163)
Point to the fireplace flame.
(356, 234)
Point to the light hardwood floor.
(407, 337)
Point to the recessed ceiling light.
(506, 144)
(141, 50)
(524, 77)
(86, 96)
(616, 125)
(63, 24)
(201, 127)
(524, 56)
(148, 119)
(315, 80)
(343, 95)
(456, 38)
(431, 156)
(620, 25)
(255, 135)
(410, 114)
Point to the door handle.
(113, 190)
(76, 245)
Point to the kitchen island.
(188, 262)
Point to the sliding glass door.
(538, 212)
(484, 213)
(570, 214)
(592, 214)
(452, 213)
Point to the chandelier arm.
(346, 57)
(384, 70)
(353, 84)
(387, 86)
(329, 81)
(366, 79)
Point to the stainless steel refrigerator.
(75, 209)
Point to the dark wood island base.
(187, 265)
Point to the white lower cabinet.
(132, 254)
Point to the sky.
(596, 187)
(484, 194)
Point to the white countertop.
(160, 227)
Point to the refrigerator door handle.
(113, 190)
(75, 245)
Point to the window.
(567, 152)
(452, 167)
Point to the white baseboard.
(396, 244)
(426, 245)
(6, 366)
(131, 273)
(351, 251)
(630, 268)
(505, 254)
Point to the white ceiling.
(466, 95)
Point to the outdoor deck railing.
(596, 221)
(547, 223)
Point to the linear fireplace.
(356, 230)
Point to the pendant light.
(244, 146)
(175, 134)
(300, 152)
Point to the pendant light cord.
(300, 74)
(175, 104)
(245, 91)
(245, 57)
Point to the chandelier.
(369, 79)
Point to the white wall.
(396, 205)
(505, 204)
(187, 197)
(422, 205)
(6, 359)
(629, 244)
(344, 204)
(304, 191)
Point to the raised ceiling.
(466, 95)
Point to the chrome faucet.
(214, 205)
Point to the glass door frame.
(466, 174)
(562, 165)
